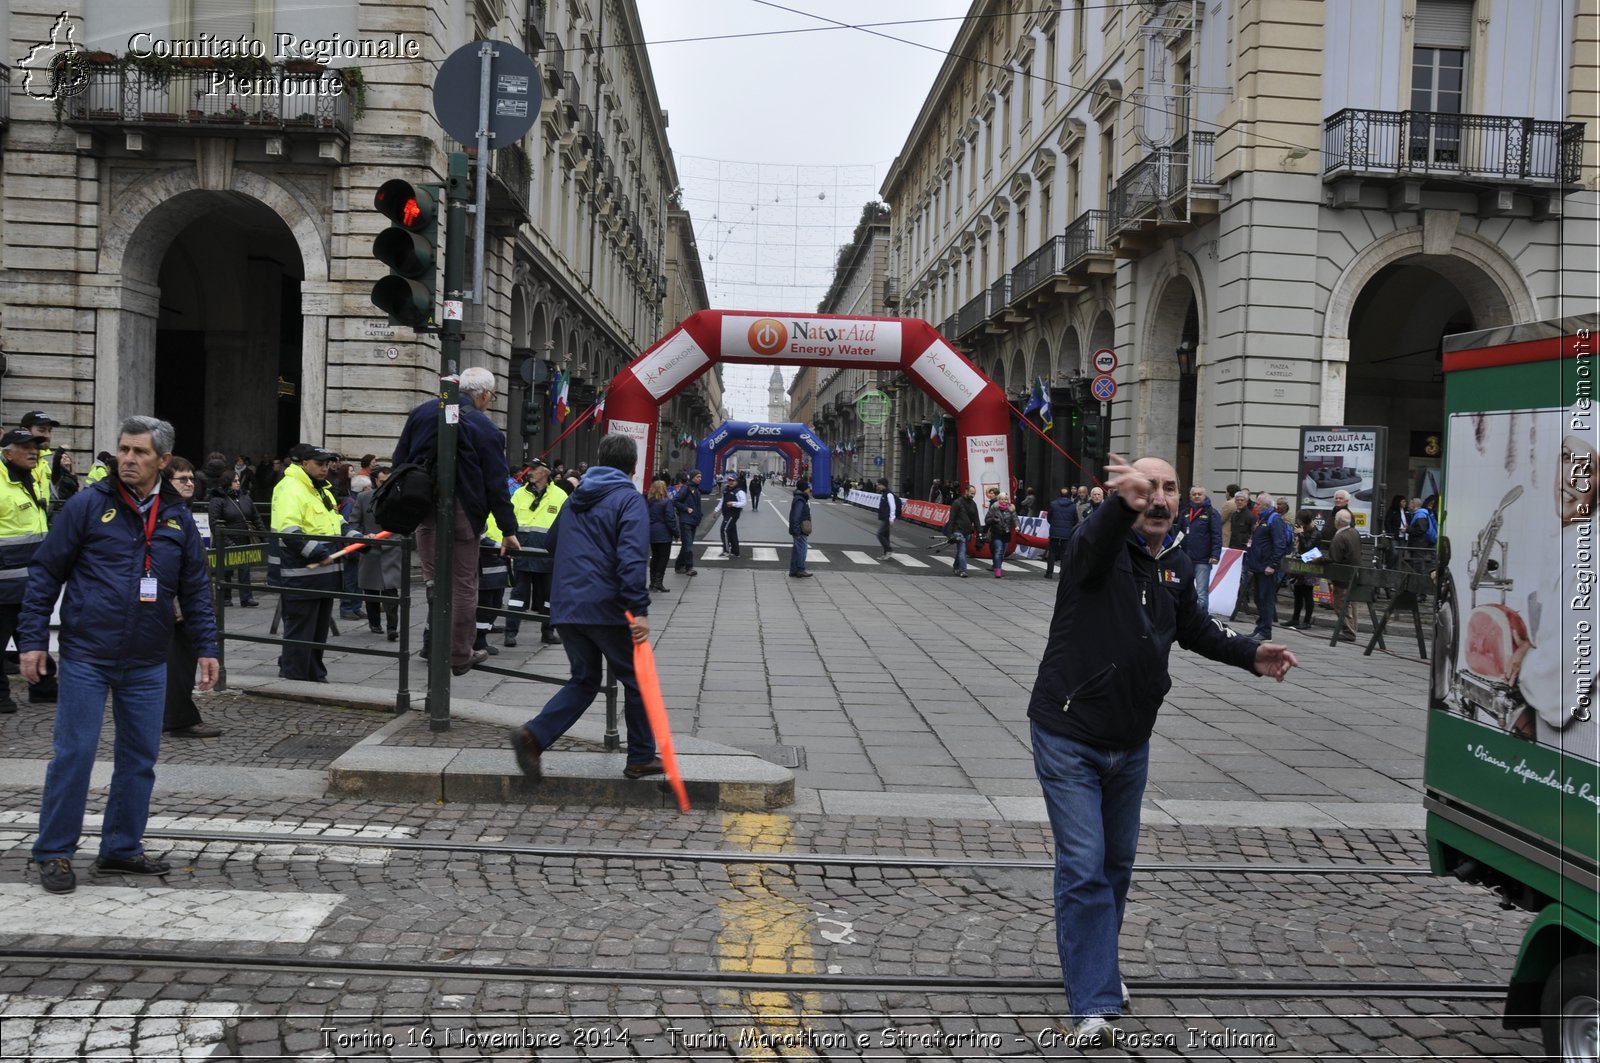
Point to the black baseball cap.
(311, 452)
(34, 417)
(20, 435)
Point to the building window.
(1074, 188)
(1049, 62)
(1078, 30)
(1108, 163)
(1022, 230)
(218, 19)
(1044, 213)
(1443, 35)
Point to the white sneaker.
(1094, 1032)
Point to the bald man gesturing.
(1125, 596)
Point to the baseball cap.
(39, 417)
(311, 452)
(537, 463)
(19, 435)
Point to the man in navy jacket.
(601, 546)
(126, 550)
(1263, 558)
(1063, 522)
(1202, 541)
(687, 501)
(481, 476)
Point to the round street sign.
(1103, 387)
(1105, 361)
(513, 94)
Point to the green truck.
(1512, 775)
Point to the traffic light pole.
(455, 269)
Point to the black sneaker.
(143, 864)
(526, 748)
(478, 657)
(511, 642)
(56, 875)
(7, 706)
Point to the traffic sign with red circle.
(1103, 388)
(1105, 361)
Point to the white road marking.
(816, 557)
(299, 851)
(1030, 562)
(98, 1024)
(908, 561)
(859, 558)
(763, 553)
(162, 913)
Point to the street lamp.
(1185, 354)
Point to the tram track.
(1198, 988)
(786, 857)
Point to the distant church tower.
(777, 404)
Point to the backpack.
(406, 498)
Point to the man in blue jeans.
(601, 545)
(799, 530)
(687, 501)
(1126, 594)
(126, 550)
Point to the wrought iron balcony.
(999, 295)
(553, 62)
(533, 29)
(971, 317)
(1088, 244)
(947, 327)
(1443, 147)
(195, 100)
(891, 291)
(1147, 189)
(569, 96)
(5, 97)
(1040, 268)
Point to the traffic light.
(532, 416)
(1091, 436)
(409, 247)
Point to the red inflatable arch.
(983, 426)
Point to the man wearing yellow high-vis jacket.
(22, 529)
(40, 424)
(536, 503)
(302, 504)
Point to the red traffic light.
(405, 204)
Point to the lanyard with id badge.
(147, 583)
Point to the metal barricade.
(250, 549)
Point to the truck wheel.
(1446, 627)
(1570, 1008)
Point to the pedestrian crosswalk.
(841, 559)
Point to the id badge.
(147, 589)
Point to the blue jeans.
(586, 645)
(961, 553)
(997, 548)
(1266, 603)
(1093, 798)
(685, 561)
(797, 560)
(1202, 586)
(138, 699)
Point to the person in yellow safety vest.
(536, 504)
(494, 575)
(22, 528)
(41, 424)
(302, 504)
(100, 468)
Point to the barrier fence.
(236, 554)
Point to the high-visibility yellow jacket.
(300, 507)
(22, 529)
(41, 476)
(97, 471)
(494, 571)
(535, 513)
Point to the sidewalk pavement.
(880, 686)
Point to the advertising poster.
(1342, 459)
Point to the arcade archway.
(982, 424)
(751, 435)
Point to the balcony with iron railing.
(553, 62)
(1087, 243)
(1452, 148)
(194, 100)
(1035, 272)
(1166, 191)
(533, 28)
(891, 291)
(5, 97)
(947, 327)
(999, 295)
(972, 315)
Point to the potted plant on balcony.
(304, 66)
(355, 83)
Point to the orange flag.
(352, 548)
(655, 710)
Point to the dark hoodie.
(601, 546)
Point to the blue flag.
(1046, 417)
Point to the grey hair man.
(481, 493)
(1344, 550)
(126, 550)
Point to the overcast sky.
(781, 137)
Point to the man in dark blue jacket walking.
(1202, 541)
(1263, 558)
(687, 500)
(126, 550)
(1063, 522)
(601, 545)
(481, 477)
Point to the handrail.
(1089, 234)
(1000, 294)
(973, 314)
(122, 94)
(1036, 270)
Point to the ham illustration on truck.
(1512, 771)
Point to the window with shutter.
(1443, 36)
(1443, 23)
(224, 19)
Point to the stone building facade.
(202, 248)
(1270, 211)
(857, 290)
